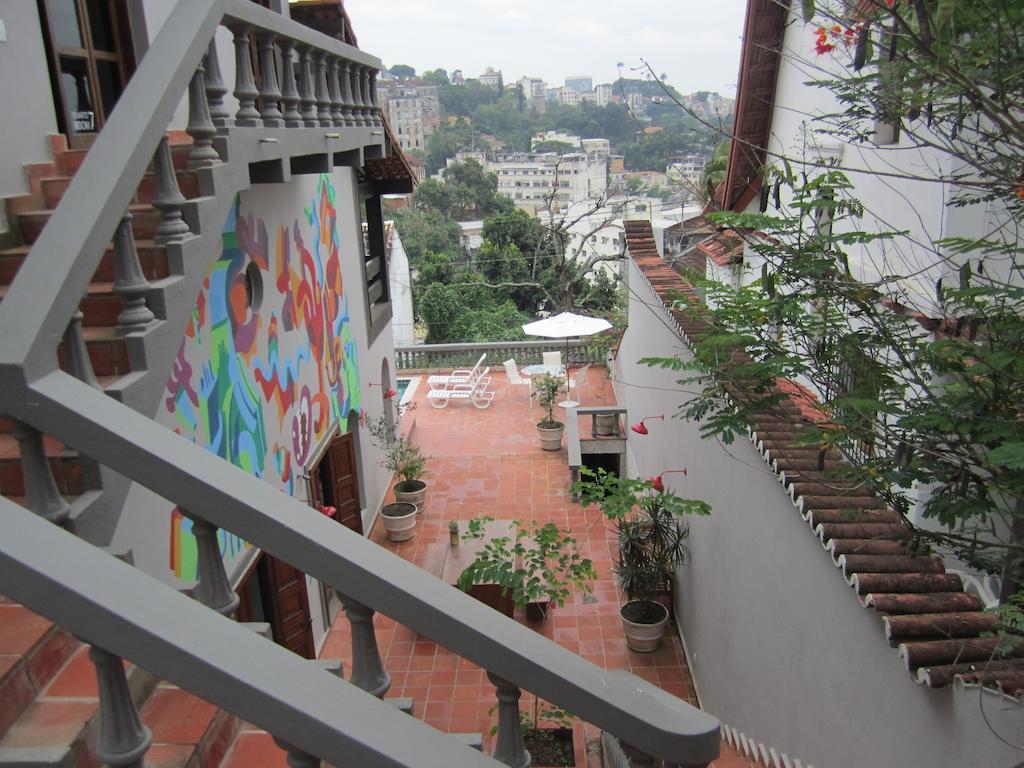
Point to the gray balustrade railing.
(426, 357)
(127, 614)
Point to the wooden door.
(89, 47)
(344, 480)
(335, 482)
(287, 605)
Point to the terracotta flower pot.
(399, 520)
(550, 439)
(412, 492)
(643, 634)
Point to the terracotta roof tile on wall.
(724, 248)
(927, 616)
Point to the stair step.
(69, 161)
(107, 351)
(53, 188)
(144, 224)
(64, 465)
(32, 652)
(152, 257)
(100, 306)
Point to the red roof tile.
(934, 623)
(724, 249)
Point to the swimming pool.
(406, 388)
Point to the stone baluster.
(41, 493)
(364, 86)
(345, 81)
(200, 125)
(129, 281)
(245, 82)
(357, 94)
(323, 100)
(76, 355)
(167, 197)
(374, 100)
(213, 589)
(215, 88)
(123, 739)
(270, 91)
(510, 748)
(307, 90)
(334, 91)
(289, 89)
(367, 671)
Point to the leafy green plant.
(547, 389)
(650, 527)
(401, 457)
(538, 562)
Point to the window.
(375, 268)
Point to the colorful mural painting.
(268, 363)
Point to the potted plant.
(535, 566)
(651, 529)
(549, 429)
(403, 459)
(399, 520)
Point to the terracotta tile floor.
(489, 462)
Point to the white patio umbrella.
(565, 326)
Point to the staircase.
(93, 384)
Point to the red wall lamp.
(656, 482)
(388, 393)
(640, 428)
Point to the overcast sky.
(695, 42)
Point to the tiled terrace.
(489, 462)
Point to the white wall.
(402, 324)
(28, 117)
(893, 203)
(778, 644)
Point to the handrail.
(46, 291)
(248, 12)
(450, 355)
(180, 471)
(126, 612)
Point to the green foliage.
(650, 526)
(403, 71)
(539, 561)
(425, 230)
(467, 311)
(462, 100)
(714, 172)
(436, 76)
(547, 389)
(401, 457)
(559, 147)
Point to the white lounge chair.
(477, 392)
(458, 376)
(513, 377)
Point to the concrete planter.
(550, 439)
(411, 492)
(607, 424)
(399, 520)
(642, 634)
